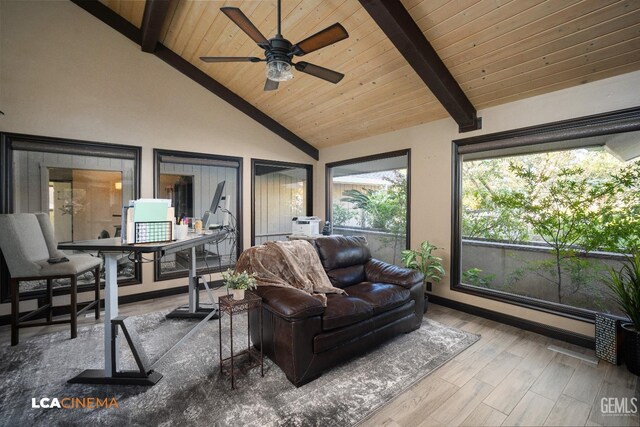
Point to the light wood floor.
(507, 378)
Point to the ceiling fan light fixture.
(279, 71)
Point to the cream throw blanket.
(293, 264)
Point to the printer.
(305, 226)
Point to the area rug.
(194, 393)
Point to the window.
(82, 185)
(369, 197)
(281, 191)
(540, 224)
(190, 181)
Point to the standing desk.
(113, 249)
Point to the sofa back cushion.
(342, 251)
(347, 276)
(343, 258)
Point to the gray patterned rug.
(193, 392)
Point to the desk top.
(115, 244)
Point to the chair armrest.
(379, 271)
(289, 303)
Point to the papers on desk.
(141, 218)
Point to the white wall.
(65, 74)
(431, 146)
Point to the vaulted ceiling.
(497, 50)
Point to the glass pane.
(83, 195)
(370, 199)
(548, 225)
(280, 195)
(191, 187)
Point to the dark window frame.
(158, 276)
(328, 199)
(619, 121)
(254, 163)
(64, 145)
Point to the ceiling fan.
(280, 51)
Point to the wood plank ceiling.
(498, 51)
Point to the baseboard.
(124, 299)
(528, 325)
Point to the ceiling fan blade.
(241, 20)
(230, 59)
(326, 37)
(271, 85)
(320, 72)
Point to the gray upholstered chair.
(27, 242)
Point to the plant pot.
(631, 348)
(237, 294)
(426, 302)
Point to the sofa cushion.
(342, 310)
(347, 276)
(380, 296)
(342, 251)
(289, 303)
(331, 339)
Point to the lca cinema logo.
(74, 403)
(619, 405)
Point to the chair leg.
(50, 300)
(74, 307)
(96, 274)
(15, 310)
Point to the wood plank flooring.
(510, 378)
(507, 378)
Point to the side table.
(230, 306)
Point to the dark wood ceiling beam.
(396, 22)
(124, 27)
(154, 13)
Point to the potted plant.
(237, 283)
(427, 263)
(625, 286)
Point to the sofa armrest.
(289, 303)
(379, 271)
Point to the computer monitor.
(215, 203)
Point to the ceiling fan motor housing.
(280, 50)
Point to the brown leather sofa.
(304, 338)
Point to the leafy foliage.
(244, 280)
(474, 277)
(573, 201)
(625, 287)
(384, 208)
(424, 261)
(341, 215)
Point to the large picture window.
(81, 185)
(369, 197)
(281, 191)
(190, 181)
(540, 223)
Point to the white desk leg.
(192, 281)
(110, 307)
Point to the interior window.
(82, 185)
(190, 181)
(281, 191)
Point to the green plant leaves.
(423, 260)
